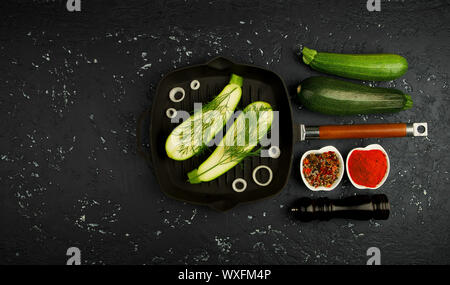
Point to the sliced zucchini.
(192, 135)
(239, 141)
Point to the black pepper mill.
(360, 207)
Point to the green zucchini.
(377, 67)
(243, 135)
(337, 97)
(191, 136)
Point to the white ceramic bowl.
(369, 147)
(341, 168)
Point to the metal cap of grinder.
(359, 207)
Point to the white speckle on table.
(259, 246)
(223, 244)
(203, 256)
(279, 249)
(407, 86)
(146, 66)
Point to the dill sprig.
(241, 138)
(213, 114)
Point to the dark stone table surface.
(72, 85)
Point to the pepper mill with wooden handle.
(360, 207)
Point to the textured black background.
(72, 86)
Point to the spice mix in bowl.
(368, 167)
(322, 169)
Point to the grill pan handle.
(303, 132)
(220, 63)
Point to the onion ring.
(174, 91)
(171, 113)
(195, 84)
(239, 180)
(274, 152)
(270, 175)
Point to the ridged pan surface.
(259, 85)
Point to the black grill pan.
(259, 84)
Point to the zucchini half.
(190, 137)
(243, 135)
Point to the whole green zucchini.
(337, 97)
(377, 67)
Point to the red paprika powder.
(367, 167)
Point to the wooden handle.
(362, 131)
